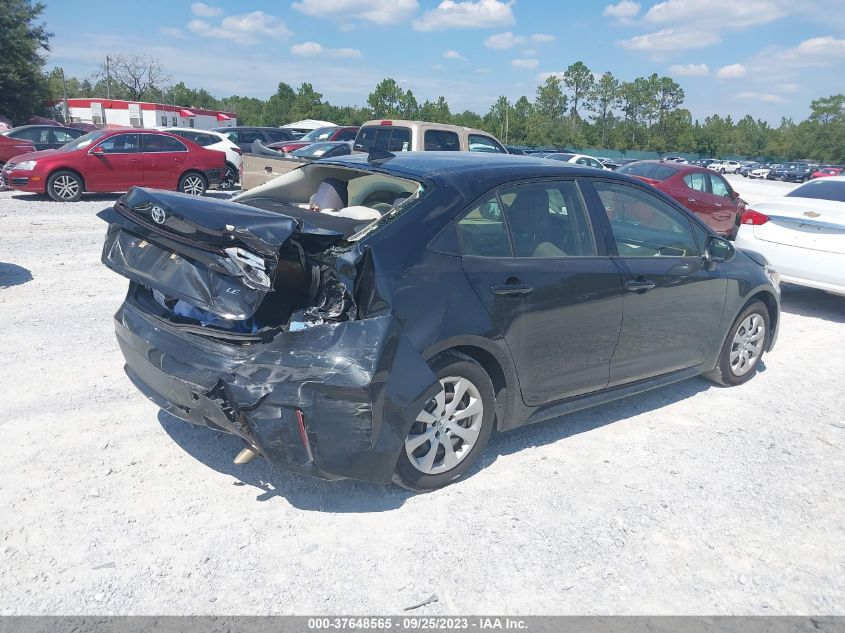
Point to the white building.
(110, 113)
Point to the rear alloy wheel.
(229, 178)
(744, 347)
(452, 429)
(193, 183)
(64, 186)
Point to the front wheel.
(64, 186)
(193, 183)
(452, 429)
(743, 349)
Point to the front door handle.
(511, 289)
(639, 285)
(690, 199)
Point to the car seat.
(528, 215)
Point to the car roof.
(413, 123)
(472, 171)
(24, 127)
(168, 128)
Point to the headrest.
(529, 212)
(331, 194)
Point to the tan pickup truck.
(393, 135)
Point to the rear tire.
(64, 186)
(230, 177)
(448, 435)
(743, 347)
(193, 183)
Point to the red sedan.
(701, 190)
(116, 160)
(333, 133)
(11, 147)
(826, 172)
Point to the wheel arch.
(771, 304)
(71, 170)
(493, 360)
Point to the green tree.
(23, 41)
(437, 111)
(605, 99)
(279, 106)
(580, 82)
(307, 104)
(387, 99)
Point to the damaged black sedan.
(378, 317)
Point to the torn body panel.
(358, 385)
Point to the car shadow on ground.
(13, 275)
(810, 302)
(217, 451)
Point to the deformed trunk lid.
(217, 255)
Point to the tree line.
(576, 108)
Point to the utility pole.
(108, 78)
(64, 94)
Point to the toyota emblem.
(158, 215)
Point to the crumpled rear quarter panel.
(359, 384)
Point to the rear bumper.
(358, 385)
(799, 266)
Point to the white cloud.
(172, 31)
(242, 28)
(669, 40)
(376, 11)
(314, 49)
(827, 46)
(732, 71)
(624, 10)
(529, 64)
(454, 55)
(689, 70)
(466, 14)
(542, 38)
(727, 14)
(503, 41)
(205, 11)
(763, 97)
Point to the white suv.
(726, 166)
(215, 141)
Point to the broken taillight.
(754, 218)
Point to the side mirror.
(718, 250)
(97, 150)
(734, 195)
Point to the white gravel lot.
(688, 500)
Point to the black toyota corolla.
(377, 317)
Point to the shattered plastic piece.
(429, 600)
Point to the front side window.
(548, 219)
(34, 134)
(62, 136)
(121, 144)
(347, 135)
(250, 136)
(441, 141)
(277, 136)
(645, 226)
(157, 143)
(483, 232)
(718, 186)
(697, 181)
(481, 143)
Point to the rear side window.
(389, 138)
(696, 181)
(35, 134)
(63, 136)
(121, 144)
(250, 136)
(481, 143)
(548, 219)
(199, 138)
(277, 136)
(155, 143)
(718, 187)
(441, 141)
(655, 171)
(483, 232)
(823, 189)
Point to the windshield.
(653, 171)
(320, 134)
(83, 141)
(824, 189)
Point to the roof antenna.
(377, 156)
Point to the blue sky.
(767, 58)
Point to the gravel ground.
(687, 500)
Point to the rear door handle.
(639, 285)
(690, 199)
(511, 289)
